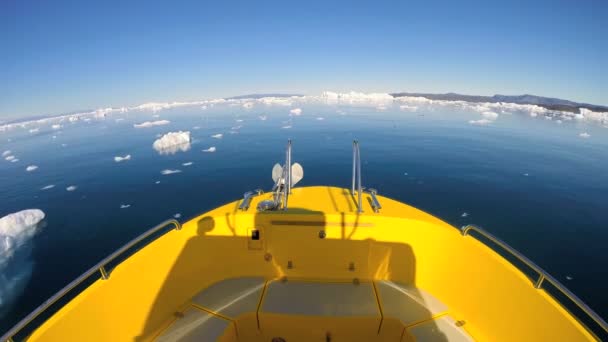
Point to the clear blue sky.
(60, 56)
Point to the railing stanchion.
(539, 282)
(104, 273)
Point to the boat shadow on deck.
(298, 246)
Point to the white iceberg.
(296, 111)
(286, 127)
(47, 187)
(118, 159)
(124, 206)
(217, 136)
(187, 164)
(152, 123)
(10, 158)
(71, 188)
(31, 168)
(169, 172)
(480, 122)
(584, 135)
(6, 153)
(16, 231)
(210, 149)
(56, 126)
(173, 142)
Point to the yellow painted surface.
(400, 243)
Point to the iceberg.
(118, 159)
(210, 149)
(47, 187)
(31, 168)
(169, 172)
(173, 142)
(16, 231)
(152, 123)
(296, 111)
(584, 135)
(480, 122)
(71, 188)
(217, 136)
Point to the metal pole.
(354, 165)
(359, 187)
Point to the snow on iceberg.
(173, 142)
(152, 123)
(118, 159)
(16, 231)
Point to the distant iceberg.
(210, 149)
(173, 142)
(31, 168)
(218, 136)
(118, 159)
(169, 172)
(296, 111)
(71, 188)
(152, 123)
(16, 231)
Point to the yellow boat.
(313, 264)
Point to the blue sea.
(540, 185)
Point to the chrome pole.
(354, 165)
(359, 187)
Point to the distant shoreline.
(545, 102)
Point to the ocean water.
(533, 182)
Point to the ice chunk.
(263, 117)
(16, 231)
(210, 149)
(71, 188)
(480, 122)
(248, 105)
(124, 206)
(187, 164)
(6, 153)
(286, 127)
(173, 142)
(152, 123)
(118, 159)
(47, 187)
(296, 111)
(320, 119)
(169, 172)
(10, 158)
(489, 115)
(31, 168)
(584, 135)
(56, 126)
(34, 130)
(178, 215)
(465, 214)
(217, 136)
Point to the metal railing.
(543, 276)
(357, 175)
(100, 267)
(287, 186)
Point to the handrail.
(542, 275)
(357, 175)
(99, 267)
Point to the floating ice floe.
(489, 115)
(71, 188)
(480, 122)
(6, 153)
(169, 172)
(465, 214)
(296, 111)
(56, 126)
(286, 127)
(263, 117)
(14, 160)
(31, 168)
(173, 142)
(358, 99)
(16, 231)
(118, 159)
(187, 164)
(569, 278)
(34, 130)
(320, 119)
(152, 123)
(237, 127)
(47, 187)
(584, 135)
(124, 206)
(408, 108)
(217, 136)
(10, 158)
(157, 182)
(178, 215)
(210, 149)
(196, 127)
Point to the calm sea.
(533, 182)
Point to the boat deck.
(300, 310)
